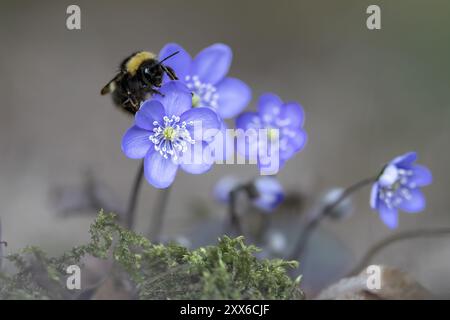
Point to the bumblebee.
(140, 76)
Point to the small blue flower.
(283, 123)
(166, 135)
(206, 77)
(270, 191)
(398, 187)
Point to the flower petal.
(205, 123)
(234, 96)
(247, 141)
(270, 158)
(415, 204)
(212, 63)
(248, 120)
(176, 98)
(136, 143)
(222, 145)
(269, 201)
(268, 185)
(421, 175)
(180, 63)
(197, 158)
(389, 176)
(295, 143)
(389, 216)
(270, 191)
(158, 171)
(374, 196)
(149, 112)
(291, 115)
(269, 107)
(405, 160)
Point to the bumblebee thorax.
(136, 60)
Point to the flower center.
(169, 133)
(204, 94)
(395, 186)
(272, 133)
(171, 137)
(195, 100)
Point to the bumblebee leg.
(135, 105)
(132, 101)
(154, 91)
(128, 105)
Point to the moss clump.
(228, 270)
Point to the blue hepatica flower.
(398, 187)
(169, 133)
(206, 77)
(270, 191)
(283, 126)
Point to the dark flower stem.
(232, 210)
(251, 192)
(420, 233)
(132, 202)
(158, 215)
(312, 224)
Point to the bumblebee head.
(152, 74)
(152, 71)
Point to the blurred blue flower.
(283, 124)
(166, 134)
(398, 187)
(270, 191)
(206, 77)
(223, 188)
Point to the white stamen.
(395, 186)
(205, 91)
(171, 138)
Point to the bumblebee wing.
(111, 85)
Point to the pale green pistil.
(204, 94)
(169, 133)
(195, 100)
(272, 133)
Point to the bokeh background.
(368, 96)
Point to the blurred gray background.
(368, 96)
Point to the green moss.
(228, 270)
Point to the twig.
(395, 238)
(312, 224)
